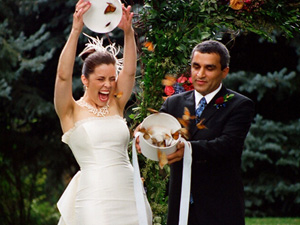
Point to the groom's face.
(206, 72)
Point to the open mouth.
(103, 96)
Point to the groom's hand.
(178, 155)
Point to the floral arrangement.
(222, 101)
(176, 86)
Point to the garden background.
(264, 40)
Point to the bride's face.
(101, 84)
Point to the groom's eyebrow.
(195, 64)
(211, 66)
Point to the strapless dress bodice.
(99, 141)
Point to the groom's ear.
(225, 72)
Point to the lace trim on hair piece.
(97, 45)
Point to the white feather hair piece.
(97, 45)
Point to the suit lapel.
(189, 102)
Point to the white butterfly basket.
(160, 129)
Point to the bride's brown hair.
(92, 58)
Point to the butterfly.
(185, 122)
(165, 97)
(200, 125)
(158, 143)
(118, 95)
(175, 135)
(169, 80)
(110, 8)
(162, 159)
(147, 133)
(149, 46)
(152, 110)
(183, 132)
(186, 117)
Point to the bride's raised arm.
(126, 78)
(63, 99)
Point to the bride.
(102, 192)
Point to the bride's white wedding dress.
(102, 192)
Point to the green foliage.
(271, 168)
(272, 221)
(30, 132)
(270, 161)
(281, 82)
(155, 182)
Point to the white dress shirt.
(208, 97)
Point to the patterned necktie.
(200, 109)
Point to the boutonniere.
(221, 102)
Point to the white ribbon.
(186, 183)
(138, 188)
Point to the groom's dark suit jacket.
(216, 183)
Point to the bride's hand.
(81, 8)
(126, 21)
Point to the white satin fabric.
(102, 192)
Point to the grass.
(272, 221)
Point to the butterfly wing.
(152, 110)
(168, 81)
(110, 8)
(162, 159)
(200, 125)
(118, 95)
(149, 46)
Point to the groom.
(217, 196)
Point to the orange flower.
(236, 4)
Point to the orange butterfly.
(147, 133)
(152, 110)
(110, 8)
(165, 97)
(118, 95)
(158, 143)
(175, 135)
(186, 117)
(200, 125)
(169, 80)
(185, 133)
(185, 122)
(149, 46)
(162, 159)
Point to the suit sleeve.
(227, 138)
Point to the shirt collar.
(208, 97)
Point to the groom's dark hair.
(212, 46)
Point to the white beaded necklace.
(98, 112)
